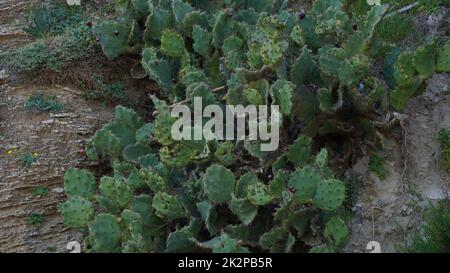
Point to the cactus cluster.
(178, 196)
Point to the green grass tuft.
(41, 102)
(49, 19)
(376, 165)
(444, 140)
(35, 219)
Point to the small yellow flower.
(9, 152)
(35, 154)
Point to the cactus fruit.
(76, 212)
(79, 183)
(218, 183)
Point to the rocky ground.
(388, 210)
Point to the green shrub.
(444, 140)
(114, 92)
(54, 53)
(28, 159)
(435, 235)
(41, 102)
(376, 165)
(35, 219)
(51, 18)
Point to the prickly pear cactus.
(317, 65)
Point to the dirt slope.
(57, 140)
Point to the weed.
(376, 165)
(394, 28)
(43, 103)
(41, 190)
(51, 248)
(28, 159)
(49, 19)
(114, 92)
(435, 236)
(52, 54)
(35, 219)
(444, 140)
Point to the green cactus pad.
(325, 98)
(180, 10)
(272, 237)
(322, 158)
(113, 38)
(154, 181)
(282, 93)
(209, 215)
(135, 182)
(425, 59)
(202, 40)
(79, 182)
(243, 209)
(218, 183)
(158, 69)
(76, 212)
(133, 152)
(167, 205)
(118, 193)
(330, 194)
(259, 194)
(172, 44)
(336, 231)
(179, 241)
(142, 205)
(322, 249)
(223, 244)
(243, 183)
(304, 182)
(158, 20)
(300, 151)
(132, 222)
(105, 143)
(105, 232)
